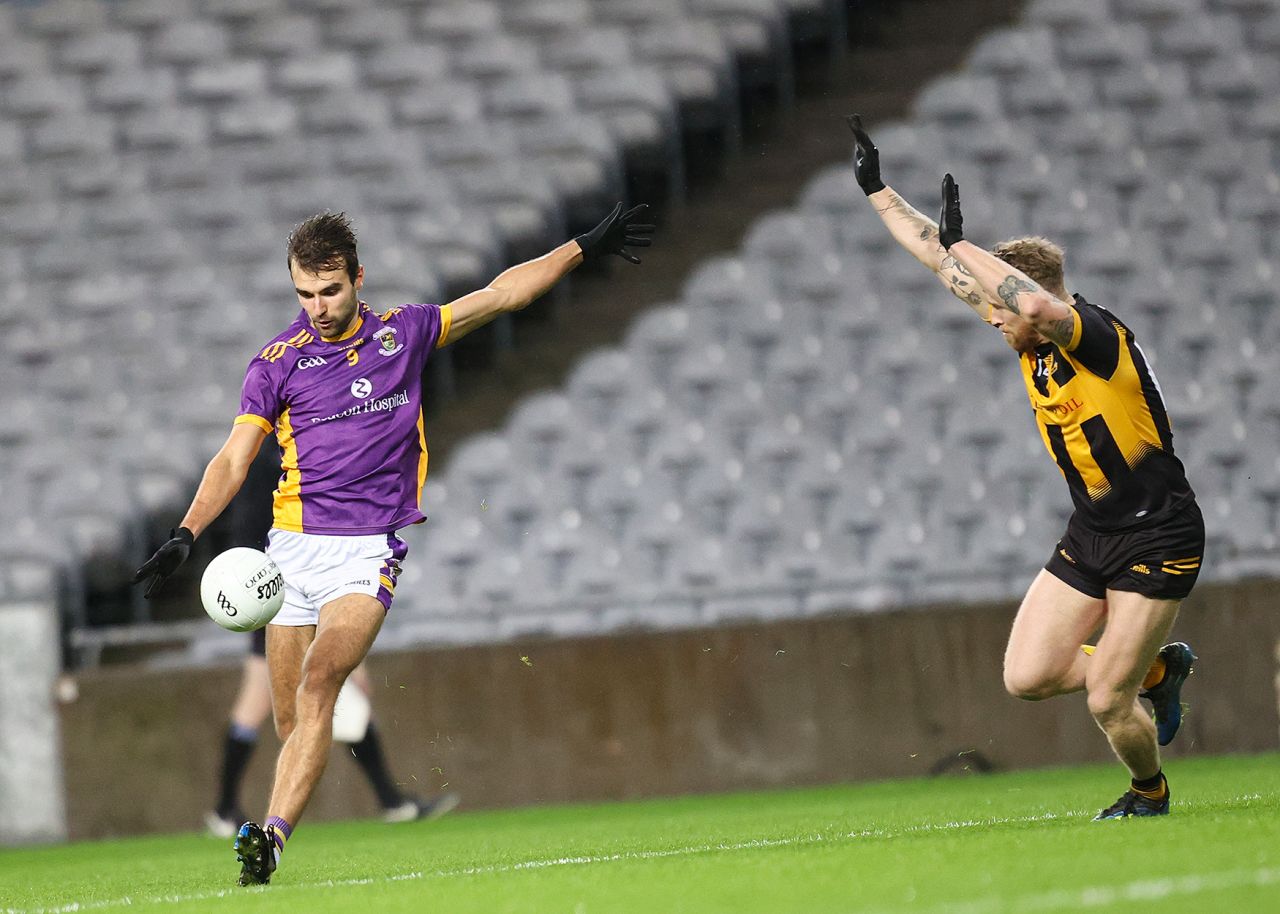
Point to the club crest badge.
(387, 343)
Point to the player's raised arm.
(222, 479)
(1011, 289)
(519, 286)
(916, 232)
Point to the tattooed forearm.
(897, 207)
(954, 270)
(1011, 288)
(1061, 330)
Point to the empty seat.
(961, 102)
(186, 42)
(599, 383)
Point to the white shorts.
(318, 569)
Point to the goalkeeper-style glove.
(616, 233)
(950, 222)
(866, 157)
(166, 560)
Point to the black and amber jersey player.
(1103, 419)
(1132, 548)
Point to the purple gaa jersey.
(348, 416)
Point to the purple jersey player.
(341, 387)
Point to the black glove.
(166, 560)
(866, 158)
(950, 222)
(618, 231)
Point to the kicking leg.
(343, 636)
(1043, 658)
(287, 647)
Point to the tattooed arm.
(1016, 292)
(919, 235)
(910, 228)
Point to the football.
(242, 589)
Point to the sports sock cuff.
(281, 830)
(242, 734)
(1153, 784)
(1155, 675)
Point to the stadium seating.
(156, 153)
(893, 461)
(815, 424)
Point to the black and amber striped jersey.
(1102, 417)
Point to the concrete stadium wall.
(31, 792)
(773, 705)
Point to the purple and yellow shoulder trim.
(446, 321)
(251, 419)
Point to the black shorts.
(258, 644)
(1161, 561)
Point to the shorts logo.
(387, 344)
(361, 388)
(365, 583)
(311, 362)
(1140, 568)
(1066, 555)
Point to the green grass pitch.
(1019, 842)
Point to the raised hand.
(866, 157)
(950, 221)
(616, 233)
(166, 560)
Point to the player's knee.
(1029, 685)
(321, 682)
(1108, 704)
(284, 727)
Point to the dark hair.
(324, 242)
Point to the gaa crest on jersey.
(387, 343)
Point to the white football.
(242, 589)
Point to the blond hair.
(1039, 258)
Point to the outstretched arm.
(1011, 289)
(223, 476)
(517, 287)
(913, 230)
(222, 479)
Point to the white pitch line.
(76, 907)
(1101, 896)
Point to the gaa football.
(242, 589)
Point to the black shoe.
(256, 850)
(1166, 695)
(1135, 804)
(413, 809)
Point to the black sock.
(368, 753)
(236, 752)
(1151, 784)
